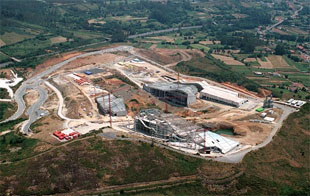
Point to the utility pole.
(204, 144)
(178, 79)
(110, 110)
(166, 104)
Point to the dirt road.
(237, 157)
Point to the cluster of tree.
(305, 11)
(11, 139)
(283, 6)
(255, 17)
(74, 17)
(257, 55)
(294, 58)
(244, 41)
(280, 49)
(299, 39)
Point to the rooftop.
(188, 89)
(223, 93)
(213, 139)
(117, 104)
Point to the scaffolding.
(172, 128)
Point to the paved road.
(61, 101)
(233, 158)
(237, 157)
(33, 83)
(33, 110)
(281, 21)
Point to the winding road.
(34, 82)
(33, 109)
(237, 157)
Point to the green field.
(305, 79)
(142, 45)
(286, 94)
(305, 67)
(169, 46)
(87, 34)
(263, 59)
(254, 63)
(27, 47)
(211, 68)
(241, 56)
(200, 47)
(13, 37)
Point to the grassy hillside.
(6, 109)
(211, 68)
(281, 168)
(92, 163)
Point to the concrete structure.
(177, 94)
(268, 103)
(296, 103)
(177, 130)
(221, 95)
(117, 105)
(166, 126)
(217, 143)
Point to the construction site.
(182, 134)
(141, 98)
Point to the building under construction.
(107, 102)
(176, 94)
(177, 130)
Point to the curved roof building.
(177, 94)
